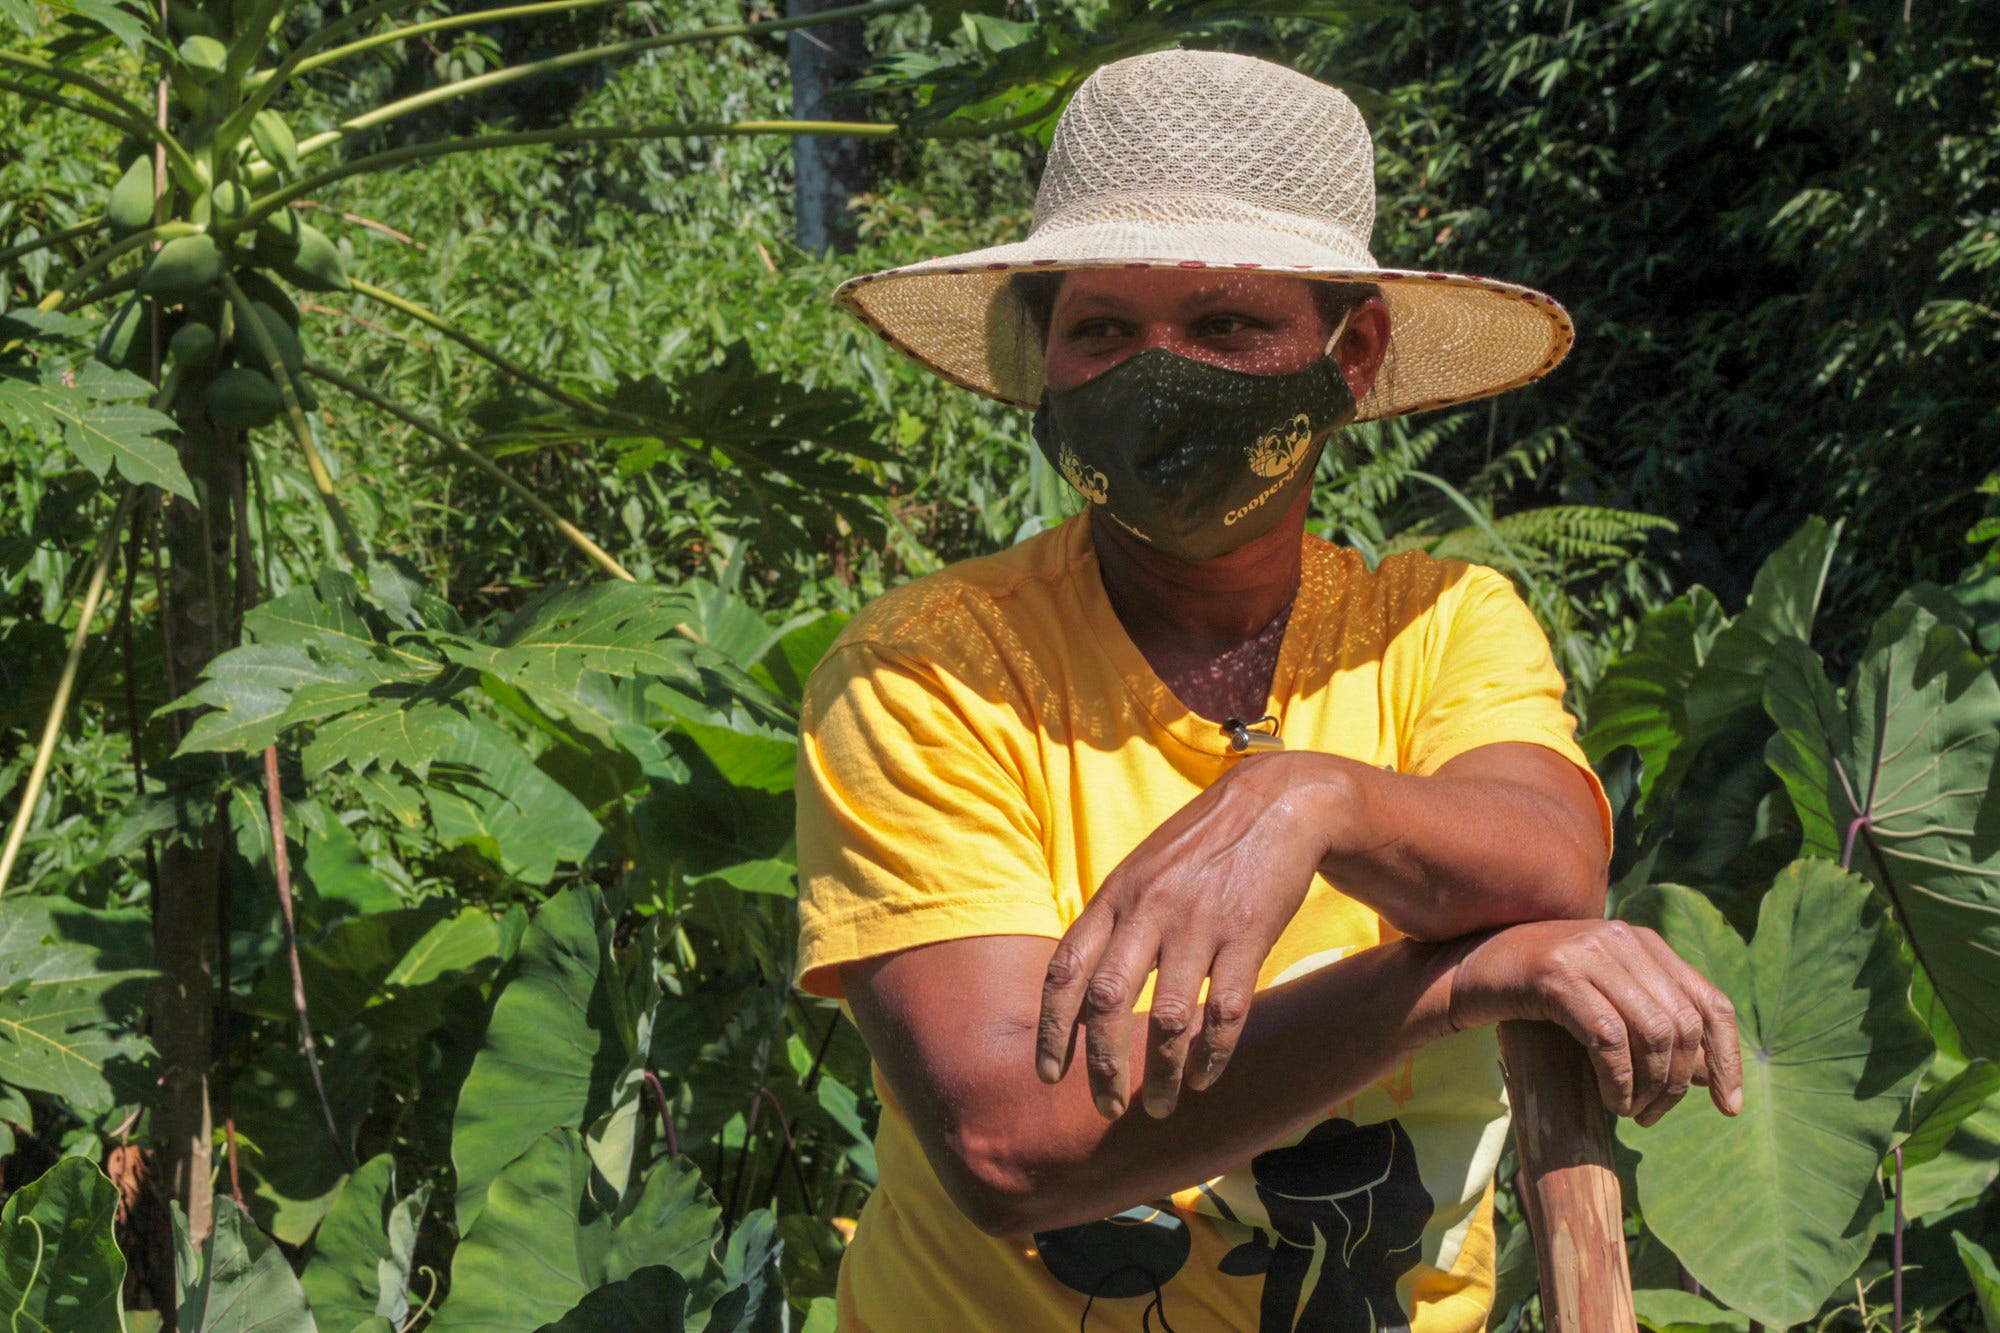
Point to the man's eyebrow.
(1117, 301)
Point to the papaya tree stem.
(166, 231)
(264, 84)
(485, 16)
(465, 453)
(500, 78)
(253, 324)
(109, 96)
(44, 241)
(377, 162)
(130, 118)
(38, 772)
(484, 350)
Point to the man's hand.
(1501, 834)
(1202, 899)
(1652, 1024)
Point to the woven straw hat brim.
(1454, 337)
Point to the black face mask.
(1193, 459)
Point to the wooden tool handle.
(1569, 1186)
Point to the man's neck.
(1210, 606)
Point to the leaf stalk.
(38, 771)
(464, 452)
(248, 319)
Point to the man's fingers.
(1171, 1026)
(1600, 1029)
(1070, 969)
(1232, 980)
(1107, 1013)
(1722, 1056)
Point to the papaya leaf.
(539, 1218)
(618, 629)
(238, 1282)
(60, 1267)
(551, 1052)
(1898, 778)
(96, 414)
(64, 1008)
(1774, 1208)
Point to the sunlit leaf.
(1901, 774)
(60, 1267)
(1771, 1209)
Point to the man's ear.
(1362, 346)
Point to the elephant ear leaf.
(1774, 1208)
(1898, 779)
(59, 1262)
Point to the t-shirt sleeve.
(1495, 681)
(911, 828)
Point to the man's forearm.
(1493, 839)
(1021, 1155)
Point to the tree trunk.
(199, 621)
(828, 171)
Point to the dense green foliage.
(536, 823)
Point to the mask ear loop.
(1338, 333)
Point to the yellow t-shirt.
(980, 749)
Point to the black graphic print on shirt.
(1347, 1211)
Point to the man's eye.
(1096, 328)
(1221, 326)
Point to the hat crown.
(1193, 124)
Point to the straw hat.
(1198, 159)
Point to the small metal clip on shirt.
(1245, 738)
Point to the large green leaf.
(542, 1244)
(1641, 702)
(64, 1007)
(1772, 1209)
(98, 418)
(60, 1269)
(1943, 1108)
(1985, 1277)
(359, 1269)
(489, 795)
(239, 1282)
(290, 1170)
(1901, 774)
(652, 1300)
(1691, 669)
(551, 1054)
(615, 628)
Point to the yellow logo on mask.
(1278, 450)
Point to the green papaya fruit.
(183, 269)
(243, 399)
(300, 253)
(261, 290)
(274, 140)
(131, 205)
(125, 343)
(282, 332)
(194, 347)
(204, 57)
(228, 200)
